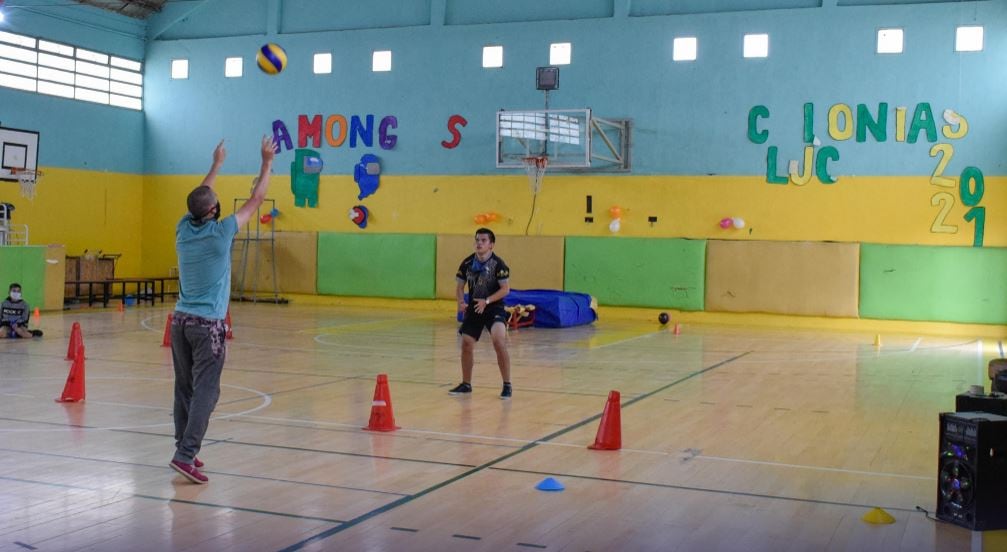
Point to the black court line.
(407, 499)
(468, 537)
(706, 490)
(406, 529)
(530, 545)
(23, 545)
(175, 500)
(227, 474)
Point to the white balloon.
(615, 225)
(738, 222)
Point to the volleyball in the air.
(271, 58)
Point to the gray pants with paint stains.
(198, 352)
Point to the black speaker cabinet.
(972, 470)
(992, 403)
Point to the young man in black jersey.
(486, 276)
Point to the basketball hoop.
(535, 167)
(28, 179)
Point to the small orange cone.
(382, 418)
(122, 306)
(73, 391)
(227, 325)
(609, 435)
(36, 317)
(166, 341)
(76, 341)
(677, 330)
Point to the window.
(232, 67)
(559, 53)
(756, 46)
(381, 60)
(889, 41)
(492, 56)
(969, 39)
(322, 63)
(683, 48)
(179, 68)
(55, 69)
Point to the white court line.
(980, 365)
(266, 401)
(915, 344)
(621, 341)
(819, 468)
(583, 446)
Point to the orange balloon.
(615, 211)
(492, 217)
(480, 218)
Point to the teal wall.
(689, 118)
(76, 134)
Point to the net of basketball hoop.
(535, 167)
(28, 180)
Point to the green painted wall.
(641, 272)
(377, 265)
(952, 284)
(26, 266)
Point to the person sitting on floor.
(14, 315)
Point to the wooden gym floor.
(733, 438)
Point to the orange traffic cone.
(227, 325)
(166, 341)
(609, 435)
(36, 317)
(677, 330)
(122, 306)
(382, 418)
(76, 341)
(73, 391)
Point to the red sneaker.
(196, 462)
(189, 471)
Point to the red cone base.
(382, 418)
(610, 431)
(76, 341)
(166, 341)
(73, 391)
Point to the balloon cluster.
(268, 217)
(615, 212)
(728, 222)
(485, 218)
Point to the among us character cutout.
(358, 214)
(366, 174)
(304, 171)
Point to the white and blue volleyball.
(271, 59)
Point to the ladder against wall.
(253, 247)
(11, 234)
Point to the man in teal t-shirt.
(203, 244)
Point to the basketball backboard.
(18, 151)
(569, 138)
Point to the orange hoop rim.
(538, 161)
(14, 171)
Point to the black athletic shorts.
(473, 323)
